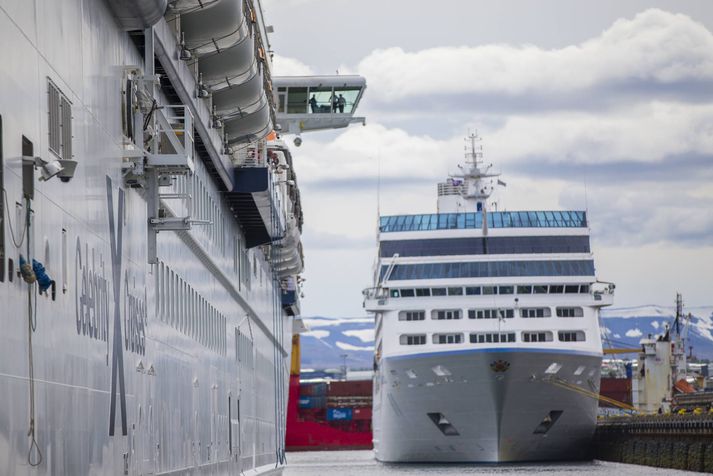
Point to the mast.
(468, 191)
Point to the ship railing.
(375, 293)
(248, 157)
(173, 141)
(600, 289)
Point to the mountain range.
(331, 341)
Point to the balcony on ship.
(311, 103)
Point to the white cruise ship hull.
(490, 408)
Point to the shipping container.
(618, 389)
(350, 388)
(339, 414)
(313, 389)
(312, 402)
(362, 413)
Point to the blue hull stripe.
(493, 350)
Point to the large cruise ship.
(150, 238)
(487, 330)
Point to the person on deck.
(313, 104)
(341, 102)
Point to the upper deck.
(462, 221)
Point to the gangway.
(313, 103)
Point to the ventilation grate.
(59, 111)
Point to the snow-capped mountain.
(330, 338)
(624, 327)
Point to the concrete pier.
(663, 441)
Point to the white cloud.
(284, 66)
(329, 322)
(345, 346)
(633, 333)
(317, 334)
(647, 132)
(617, 336)
(625, 112)
(364, 335)
(655, 324)
(655, 46)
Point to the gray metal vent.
(60, 122)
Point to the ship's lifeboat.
(214, 27)
(230, 67)
(138, 14)
(249, 127)
(242, 99)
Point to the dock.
(662, 441)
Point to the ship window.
(535, 312)
(472, 290)
(297, 100)
(556, 289)
(571, 336)
(407, 293)
(453, 338)
(490, 313)
(446, 314)
(545, 336)
(60, 122)
(584, 289)
(492, 337)
(490, 269)
(423, 292)
(455, 291)
(412, 315)
(412, 339)
(350, 96)
(571, 289)
(487, 290)
(524, 289)
(570, 312)
(506, 290)
(394, 293)
(540, 289)
(438, 291)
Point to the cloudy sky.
(601, 105)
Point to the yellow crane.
(631, 350)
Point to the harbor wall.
(663, 441)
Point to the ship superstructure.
(150, 246)
(487, 331)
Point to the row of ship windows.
(493, 337)
(491, 290)
(487, 269)
(526, 312)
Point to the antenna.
(378, 184)
(586, 199)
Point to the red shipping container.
(350, 388)
(362, 413)
(618, 389)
